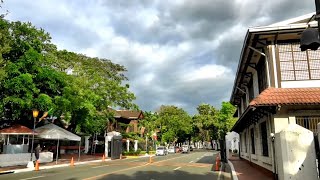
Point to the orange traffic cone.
(150, 159)
(72, 163)
(103, 158)
(36, 168)
(217, 163)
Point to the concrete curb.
(233, 172)
(50, 167)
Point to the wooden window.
(253, 148)
(262, 74)
(245, 142)
(251, 90)
(297, 65)
(264, 139)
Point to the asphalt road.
(192, 166)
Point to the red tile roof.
(16, 129)
(287, 96)
(128, 114)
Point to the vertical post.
(317, 2)
(146, 143)
(34, 126)
(106, 146)
(274, 157)
(23, 139)
(128, 141)
(79, 150)
(57, 154)
(135, 145)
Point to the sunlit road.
(193, 166)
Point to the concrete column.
(128, 142)
(86, 144)
(106, 144)
(135, 145)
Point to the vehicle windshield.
(160, 148)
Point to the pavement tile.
(246, 171)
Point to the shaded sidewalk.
(248, 171)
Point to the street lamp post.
(35, 114)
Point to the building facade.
(276, 85)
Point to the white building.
(277, 87)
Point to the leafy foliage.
(35, 75)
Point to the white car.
(161, 151)
(185, 148)
(171, 149)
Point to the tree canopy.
(35, 75)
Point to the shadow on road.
(154, 175)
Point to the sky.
(177, 52)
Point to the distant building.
(125, 121)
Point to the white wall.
(299, 84)
(296, 154)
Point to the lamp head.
(309, 39)
(35, 113)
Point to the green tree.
(34, 74)
(173, 123)
(205, 122)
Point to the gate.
(116, 147)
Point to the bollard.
(37, 166)
(120, 156)
(72, 163)
(103, 158)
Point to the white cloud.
(177, 52)
(207, 72)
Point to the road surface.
(192, 166)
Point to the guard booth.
(116, 147)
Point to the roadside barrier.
(72, 163)
(217, 163)
(36, 168)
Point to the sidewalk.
(246, 171)
(64, 160)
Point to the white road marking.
(177, 168)
(191, 162)
(198, 158)
(100, 166)
(219, 173)
(32, 177)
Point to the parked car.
(185, 148)
(171, 149)
(161, 151)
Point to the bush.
(131, 153)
